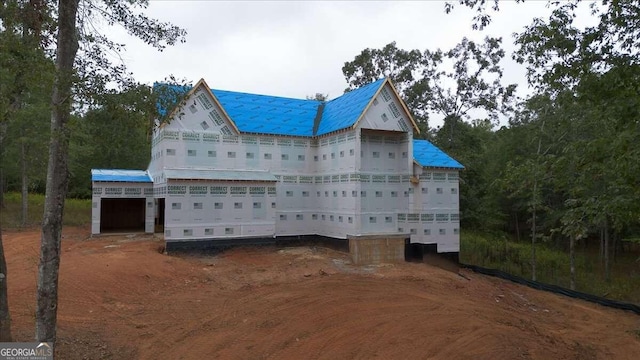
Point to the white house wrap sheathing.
(203, 209)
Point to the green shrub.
(552, 265)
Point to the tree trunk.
(57, 173)
(607, 266)
(1, 184)
(25, 185)
(5, 318)
(601, 252)
(3, 131)
(572, 261)
(533, 239)
(615, 248)
(534, 205)
(517, 226)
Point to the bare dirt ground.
(122, 299)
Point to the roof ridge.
(265, 95)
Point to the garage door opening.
(122, 215)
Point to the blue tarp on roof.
(269, 114)
(428, 155)
(285, 116)
(344, 111)
(120, 175)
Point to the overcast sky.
(298, 48)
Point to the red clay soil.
(120, 298)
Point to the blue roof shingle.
(269, 114)
(342, 112)
(285, 116)
(117, 175)
(428, 155)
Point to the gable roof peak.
(345, 110)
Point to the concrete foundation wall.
(377, 249)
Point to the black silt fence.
(554, 289)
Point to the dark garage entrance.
(122, 215)
(159, 224)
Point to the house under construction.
(233, 166)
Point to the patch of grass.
(76, 211)
(552, 265)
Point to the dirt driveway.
(122, 299)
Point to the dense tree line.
(113, 134)
(566, 166)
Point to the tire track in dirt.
(358, 318)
